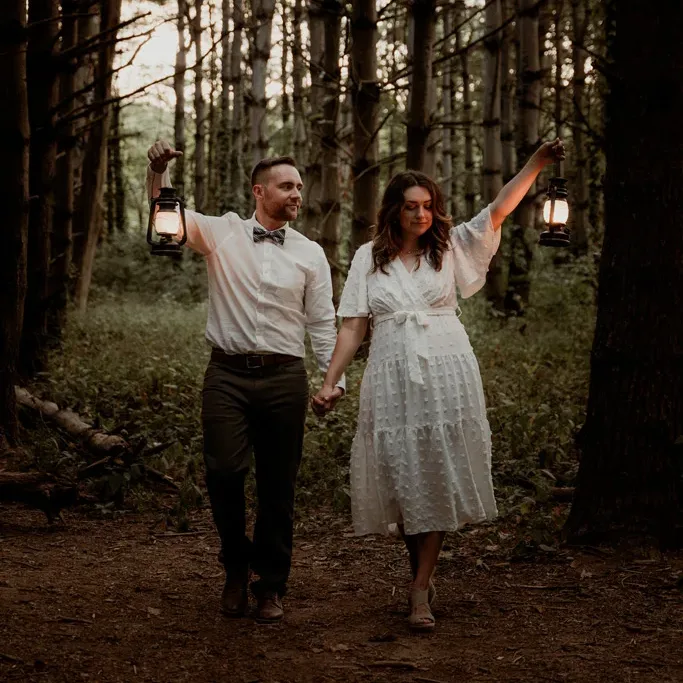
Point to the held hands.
(326, 399)
(159, 154)
(550, 152)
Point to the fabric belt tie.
(250, 361)
(414, 324)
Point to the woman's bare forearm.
(349, 338)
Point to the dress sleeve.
(354, 299)
(474, 245)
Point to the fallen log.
(95, 440)
(38, 490)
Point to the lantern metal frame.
(557, 235)
(168, 199)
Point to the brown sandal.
(421, 619)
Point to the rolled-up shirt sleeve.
(320, 317)
(201, 229)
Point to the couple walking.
(421, 457)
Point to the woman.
(421, 457)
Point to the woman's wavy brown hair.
(387, 240)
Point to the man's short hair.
(263, 166)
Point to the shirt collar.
(252, 222)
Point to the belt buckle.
(254, 362)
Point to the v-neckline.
(409, 272)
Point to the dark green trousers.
(262, 411)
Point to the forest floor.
(124, 600)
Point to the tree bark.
(14, 201)
(298, 70)
(493, 150)
(234, 194)
(88, 219)
(629, 478)
(448, 138)
(62, 224)
(179, 90)
(580, 203)
(41, 67)
(524, 237)
(213, 123)
(224, 134)
(262, 18)
(507, 98)
(199, 112)
(466, 116)
(313, 213)
(330, 186)
(418, 126)
(365, 107)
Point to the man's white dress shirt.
(263, 297)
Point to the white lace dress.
(422, 451)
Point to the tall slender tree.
(43, 84)
(365, 96)
(233, 194)
(629, 478)
(524, 237)
(199, 110)
(223, 200)
(14, 185)
(448, 97)
(179, 89)
(493, 149)
(423, 19)
(262, 23)
(330, 194)
(312, 213)
(88, 217)
(580, 203)
(469, 190)
(298, 71)
(62, 223)
(507, 97)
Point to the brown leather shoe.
(234, 599)
(269, 608)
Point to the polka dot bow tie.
(277, 236)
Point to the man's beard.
(284, 212)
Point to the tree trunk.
(88, 218)
(62, 223)
(179, 89)
(285, 103)
(199, 112)
(365, 105)
(14, 185)
(507, 136)
(447, 89)
(524, 236)
(493, 150)
(330, 187)
(298, 70)
(213, 124)
(313, 213)
(466, 116)
(580, 203)
(559, 63)
(234, 194)
(116, 178)
(418, 126)
(262, 23)
(41, 67)
(223, 200)
(629, 477)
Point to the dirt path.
(118, 600)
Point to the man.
(268, 285)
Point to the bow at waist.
(414, 345)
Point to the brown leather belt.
(250, 361)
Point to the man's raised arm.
(199, 234)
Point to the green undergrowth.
(134, 365)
